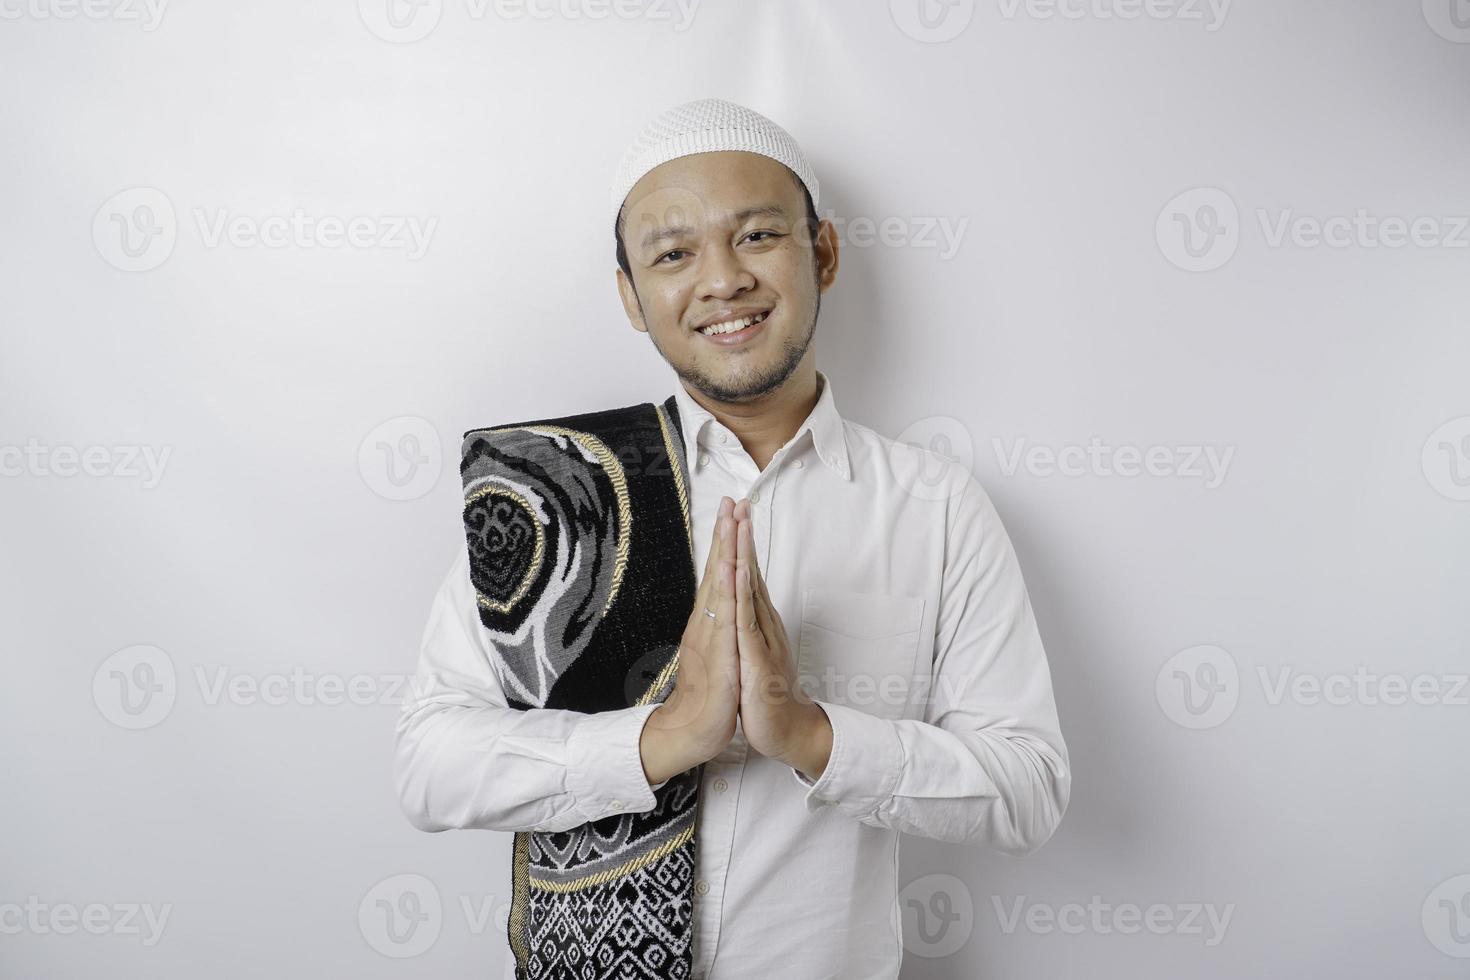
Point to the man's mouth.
(731, 326)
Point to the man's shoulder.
(931, 459)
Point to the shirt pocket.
(858, 649)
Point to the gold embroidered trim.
(664, 426)
(520, 896)
(626, 868)
(661, 680)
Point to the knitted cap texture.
(707, 126)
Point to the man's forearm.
(497, 768)
(997, 786)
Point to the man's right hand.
(697, 720)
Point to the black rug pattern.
(582, 563)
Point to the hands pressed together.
(735, 662)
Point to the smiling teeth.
(732, 325)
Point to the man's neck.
(765, 425)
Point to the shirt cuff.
(863, 770)
(605, 774)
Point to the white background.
(276, 541)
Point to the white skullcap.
(707, 126)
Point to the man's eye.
(677, 251)
(770, 234)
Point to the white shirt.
(892, 572)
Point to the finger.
(717, 546)
(749, 518)
(768, 620)
(746, 620)
(705, 593)
(714, 542)
(723, 600)
(757, 576)
(756, 612)
(759, 627)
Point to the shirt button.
(617, 804)
(704, 459)
(724, 437)
(798, 464)
(701, 887)
(721, 784)
(755, 496)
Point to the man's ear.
(826, 255)
(631, 304)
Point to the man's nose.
(723, 273)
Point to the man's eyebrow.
(657, 235)
(768, 210)
(660, 234)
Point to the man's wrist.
(814, 744)
(665, 751)
(657, 750)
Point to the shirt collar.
(825, 424)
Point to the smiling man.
(708, 774)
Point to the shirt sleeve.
(465, 759)
(987, 763)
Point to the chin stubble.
(762, 384)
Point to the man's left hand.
(778, 719)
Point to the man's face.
(717, 236)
